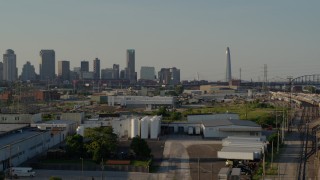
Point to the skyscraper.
(28, 72)
(1, 71)
(84, 66)
(131, 73)
(169, 76)
(47, 65)
(228, 67)
(96, 68)
(9, 66)
(64, 70)
(116, 71)
(147, 73)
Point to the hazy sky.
(191, 35)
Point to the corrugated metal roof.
(228, 122)
(257, 129)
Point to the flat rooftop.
(5, 128)
(17, 136)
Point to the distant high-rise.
(47, 65)
(116, 71)
(64, 70)
(107, 73)
(84, 66)
(1, 71)
(9, 66)
(147, 73)
(169, 76)
(96, 68)
(28, 72)
(131, 73)
(228, 66)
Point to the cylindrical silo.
(154, 127)
(144, 127)
(80, 130)
(134, 127)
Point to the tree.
(140, 148)
(162, 111)
(179, 89)
(102, 142)
(175, 115)
(75, 146)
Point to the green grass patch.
(140, 163)
(67, 161)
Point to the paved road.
(89, 175)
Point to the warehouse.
(230, 127)
(24, 143)
(142, 101)
(147, 127)
(242, 148)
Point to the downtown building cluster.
(113, 75)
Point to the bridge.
(297, 82)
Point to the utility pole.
(198, 168)
(271, 154)
(211, 170)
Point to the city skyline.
(185, 34)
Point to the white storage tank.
(80, 130)
(198, 131)
(144, 127)
(154, 127)
(134, 127)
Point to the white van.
(22, 171)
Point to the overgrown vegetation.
(100, 143)
(140, 148)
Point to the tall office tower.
(116, 71)
(64, 70)
(228, 67)
(47, 65)
(175, 76)
(147, 73)
(96, 68)
(131, 73)
(107, 73)
(1, 71)
(9, 66)
(28, 72)
(122, 74)
(169, 76)
(84, 66)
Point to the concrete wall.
(20, 118)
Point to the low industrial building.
(142, 101)
(230, 127)
(67, 126)
(15, 118)
(242, 148)
(22, 143)
(147, 127)
(214, 126)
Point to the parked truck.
(21, 171)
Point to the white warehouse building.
(147, 127)
(230, 127)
